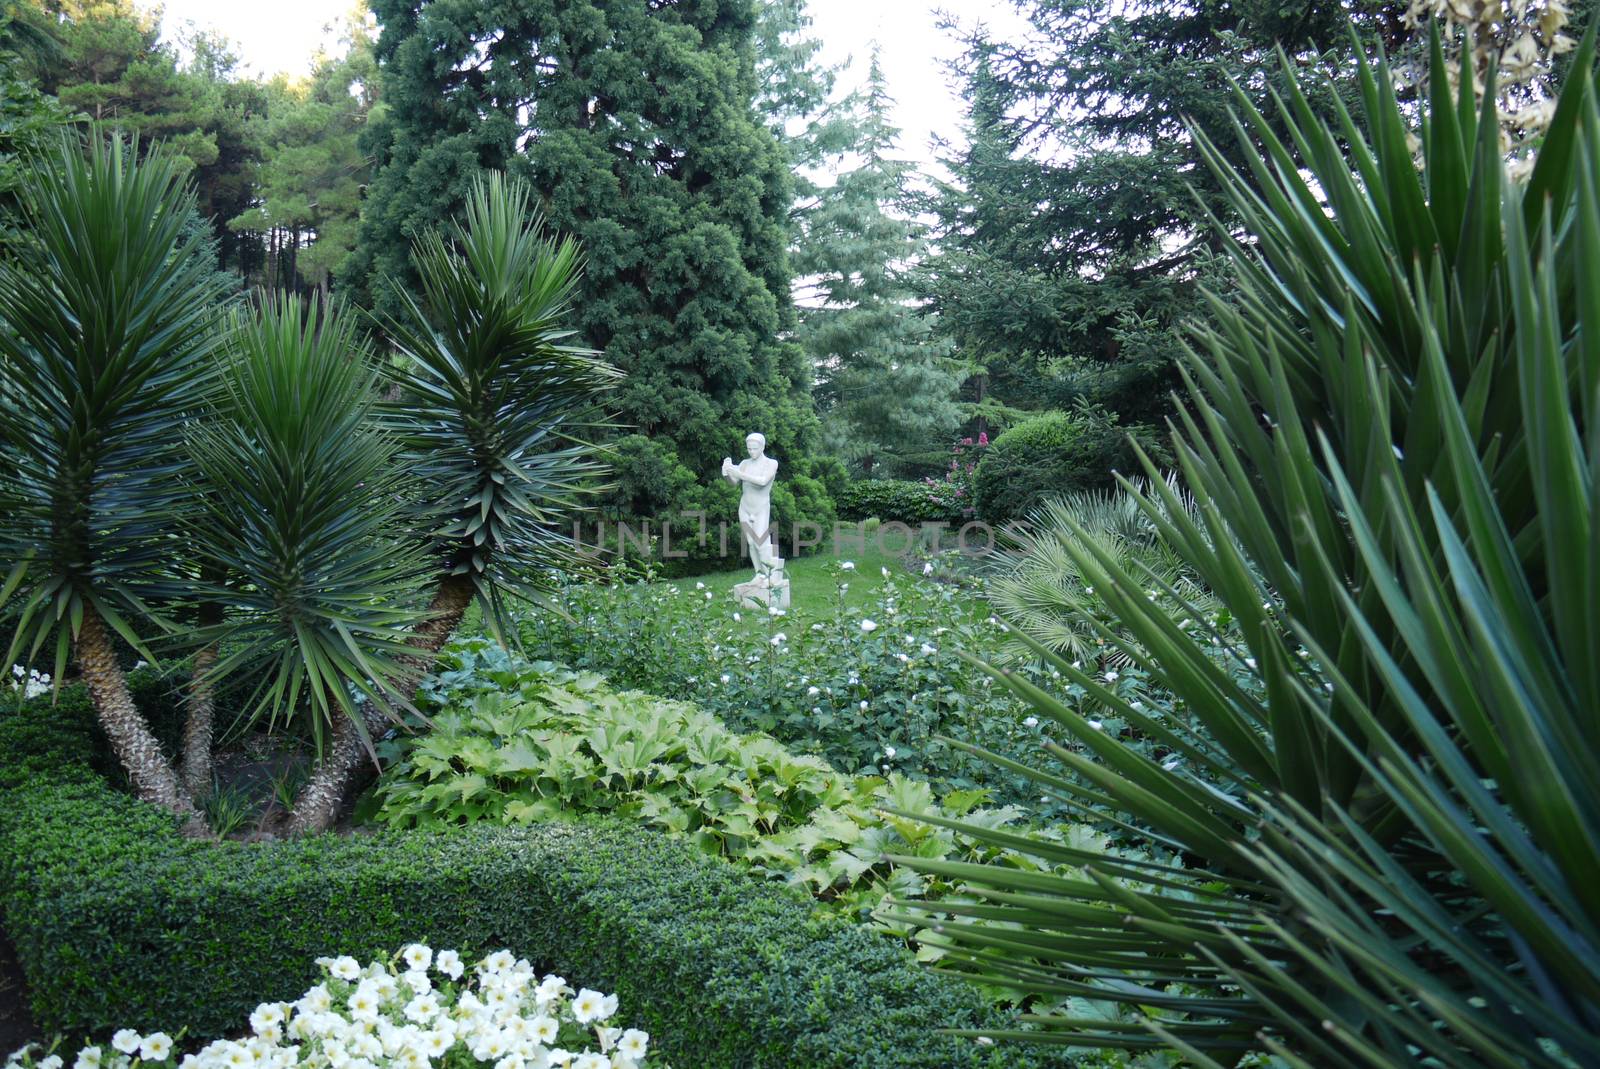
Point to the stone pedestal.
(766, 591)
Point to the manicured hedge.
(1052, 453)
(897, 500)
(119, 921)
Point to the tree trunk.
(342, 769)
(150, 773)
(449, 605)
(200, 701)
(317, 806)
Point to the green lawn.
(814, 580)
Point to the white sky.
(282, 35)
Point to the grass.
(814, 580)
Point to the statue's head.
(755, 443)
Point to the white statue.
(769, 585)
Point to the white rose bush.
(419, 1011)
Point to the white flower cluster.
(32, 684)
(397, 1017)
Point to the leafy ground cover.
(870, 678)
(517, 743)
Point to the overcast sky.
(283, 35)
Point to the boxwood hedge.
(898, 501)
(120, 921)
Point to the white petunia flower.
(889, 751)
(345, 968)
(587, 1006)
(157, 1047)
(422, 1009)
(633, 1044)
(779, 639)
(1111, 677)
(863, 705)
(49, 1061)
(737, 618)
(417, 957)
(847, 565)
(449, 963)
(812, 692)
(929, 651)
(1030, 722)
(127, 1041)
(88, 1058)
(1095, 724)
(868, 626)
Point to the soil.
(16, 1023)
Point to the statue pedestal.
(769, 591)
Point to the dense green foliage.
(1393, 459)
(898, 500)
(869, 702)
(885, 385)
(1072, 240)
(112, 66)
(512, 743)
(1053, 453)
(644, 146)
(312, 173)
(119, 921)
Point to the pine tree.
(1073, 236)
(634, 122)
(884, 384)
(307, 195)
(114, 69)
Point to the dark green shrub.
(651, 488)
(1053, 453)
(897, 500)
(119, 921)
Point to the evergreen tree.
(884, 383)
(634, 122)
(307, 190)
(114, 68)
(1072, 238)
(29, 119)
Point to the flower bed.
(873, 689)
(120, 922)
(385, 1016)
(516, 743)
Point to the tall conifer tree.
(634, 122)
(884, 383)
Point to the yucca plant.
(490, 416)
(308, 512)
(1036, 587)
(1393, 442)
(107, 336)
(497, 402)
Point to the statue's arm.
(763, 480)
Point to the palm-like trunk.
(198, 728)
(318, 803)
(149, 772)
(450, 603)
(201, 701)
(342, 768)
